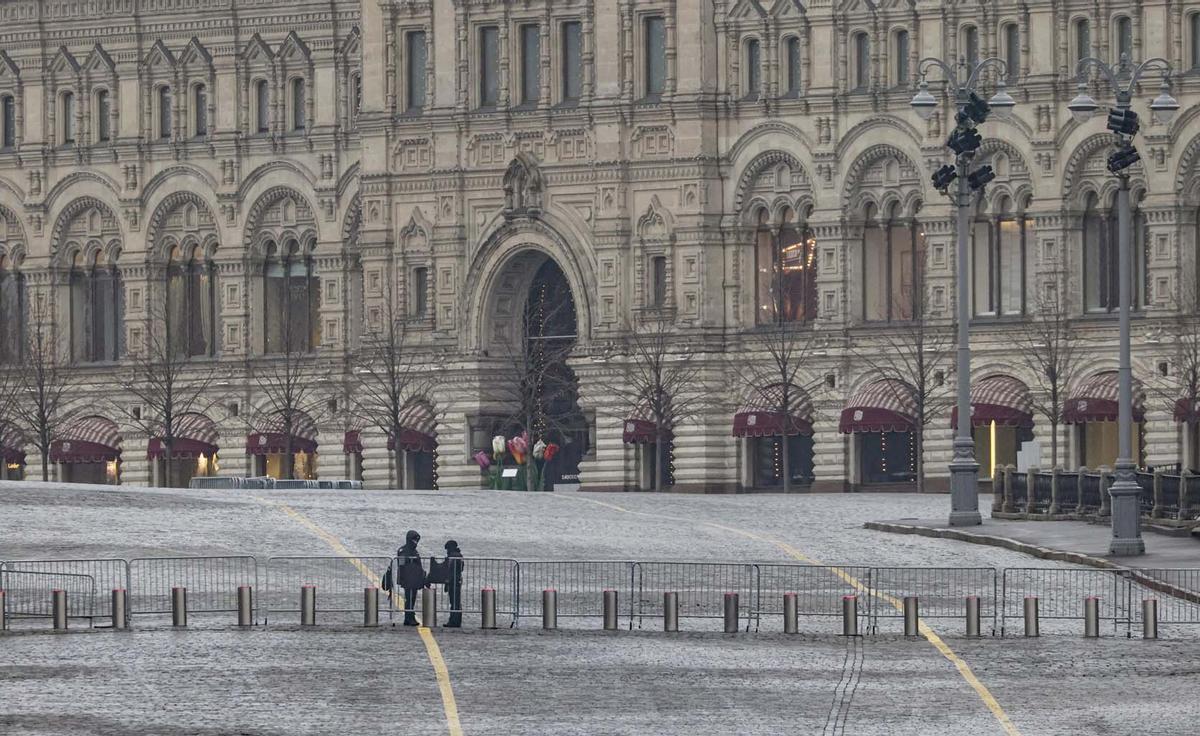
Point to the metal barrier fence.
(1177, 592)
(41, 576)
(1060, 594)
(701, 587)
(580, 586)
(942, 592)
(211, 583)
(819, 593)
(339, 582)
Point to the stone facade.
(457, 145)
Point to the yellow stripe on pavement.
(930, 635)
(449, 704)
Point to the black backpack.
(386, 583)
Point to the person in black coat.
(454, 583)
(410, 575)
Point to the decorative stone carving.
(523, 186)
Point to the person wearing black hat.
(454, 583)
(411, 575)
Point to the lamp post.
(964, 142)
(1126, 520)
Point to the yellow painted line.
(449, 704)
(930, 635)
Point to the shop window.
(489, 66)
(654, 49)
(416, 60)
(998, 263)
(13, 306)
(531, 65)
(96, 306)
(572, 61)
(888, 457)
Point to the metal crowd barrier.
(580, 586)
(701, 589)
(942, 593)
(339, 583)
(211, 583)
(27, 594)
(819, 593)
(1060, 594)
(499, 574)
(92, 600)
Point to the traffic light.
(977, 109)
(980, 178)
(1123, 122)
(943, 177)
(964, 140)
(1123, 158)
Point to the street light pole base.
(1126, 515)
(965, 518)
(964, 485)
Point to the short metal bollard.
(670, 612)
(1150, 618)
(308, 605)
(1031, 616)
(179, 607)
(245, 603)
(849, 615)
(58, 608)
(791, 614)
(371, 606)
(912, 616)
(731, 613)
(973, 616)
(487, 605)
(428, 607)
(1091, 617)
(610, 610)
(119, 599)
(549, 608)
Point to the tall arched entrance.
(530, 331)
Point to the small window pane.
(164, 112)
(298, 107)
(68, 121)
(1012, 50)
(1124, 38)
(793, 66)
(1196, 40)
(416, 62)
(263, 100)
(753, 68)
(1083, 40)
(10, 122)
(531, 64)
(862, 61)
(201, 110)
(901, 57)
(572, 61)
(971, 44)
(489, 66)
(659, 283)
(420, 291)
(103, 110)
(656, 55)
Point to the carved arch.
(771, 161)
(300, 224)
(107, 221)
(657, 224)
(906, 186)
(155, 230)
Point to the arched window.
(893, 257)
(298, 108)
(200, 110)
(970, 45)
(1195, 27)
(12, 306)
(68, 117)
(861, 72)
(291, 300)
(1124, 38)
(786, 268)
(793, 66)
(1101, 256)
(998, 247)
(901, 58)
(96, 303)
(10, 121)
(753, 61)
(262, 106)
(191, 303)
(164, 112)
(355, 95)
(1083, 39)
(103, 114)
(1012, 50)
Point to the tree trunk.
(398, 461)
(920, 453)
(168, 464)
(45, 466)
(1054, 443)
(787, 466)
(659, 458)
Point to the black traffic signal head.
(1123, 122)
(943, 177)
(1123, 158)
(977, 109)
(964, 140)
(980, 178)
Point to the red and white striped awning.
(272, 435)
(1187, 411)
(1000, 399)
(640, 427)
(886, 405)
(195, 435)
(418, 428)
(762, 415)
(12, 445)
(87, 440)
(1096, 400)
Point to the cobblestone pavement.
(333, 680)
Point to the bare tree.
(391, 376)
(660, 377)
(915, 355)
(780, 383)
(1048, 346)
(43, 404)
(1182, 386)
(165, 383)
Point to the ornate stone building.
(269, 170)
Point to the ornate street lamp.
(1126, 520)
(964, 142)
